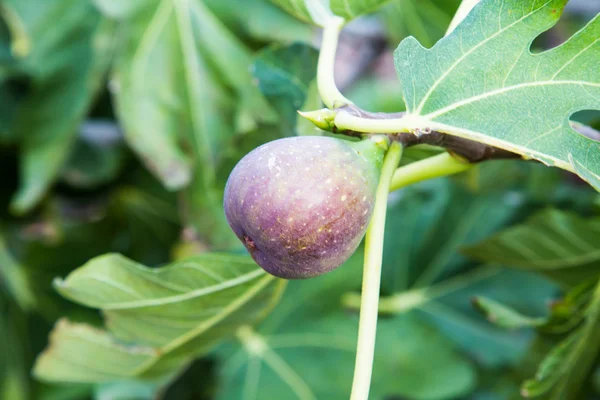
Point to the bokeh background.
(119, 124)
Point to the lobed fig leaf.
(302, 205)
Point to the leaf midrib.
(469, 52)
(192, 68)
(185, 296)
(503, 90)
(569, 262)
(236, 304)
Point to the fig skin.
(301, 205)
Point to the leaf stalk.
(328, 90)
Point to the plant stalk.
(367, 328)
(443, 164)
(330, 94)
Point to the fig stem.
(443, 164)
(328, 90)
(367, 327)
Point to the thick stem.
(329, 92)
(470, 150)
(367, 328)
(443, 164)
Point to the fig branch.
(412, 130)
(409, 135)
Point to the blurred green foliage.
(119, 124)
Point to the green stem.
(367, 327)
(443, 164)
(417, 298)
(329, 92)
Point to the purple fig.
(301, 205)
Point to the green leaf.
(93, 163)
(317, 11)
(562, 373)
(158, 51)
(14, 382)
(568, 312)
(565, 314)
(126, 390)
(350, 9)
(483, 83)
(13, 387)
(9, 101)
(9, 68)
(503, 316)
(283, 75)
(559, 244)
(377, 93)
(80, 353)
(120, 9)
(173, 74)
(14, 277)
(306, 348)
(183, 46)
(16, 42)
(411, 360)
(550, 369)
(179, 312)
(425, 217)
(427, 20)
(261, 20)
(232, 60)
(300, 9)
(66, 67)
(424, 270)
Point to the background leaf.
(262, 20)
(503, 316)
(174, 70)
(562, 373)
(205, 299)
(561, 245)
(283, 75)
(278, 359)
(79, 353)
(66, 67)
(314, 10)
(425, 272)
(102, 199)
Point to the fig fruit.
(301, 205)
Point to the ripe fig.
(301, 205)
